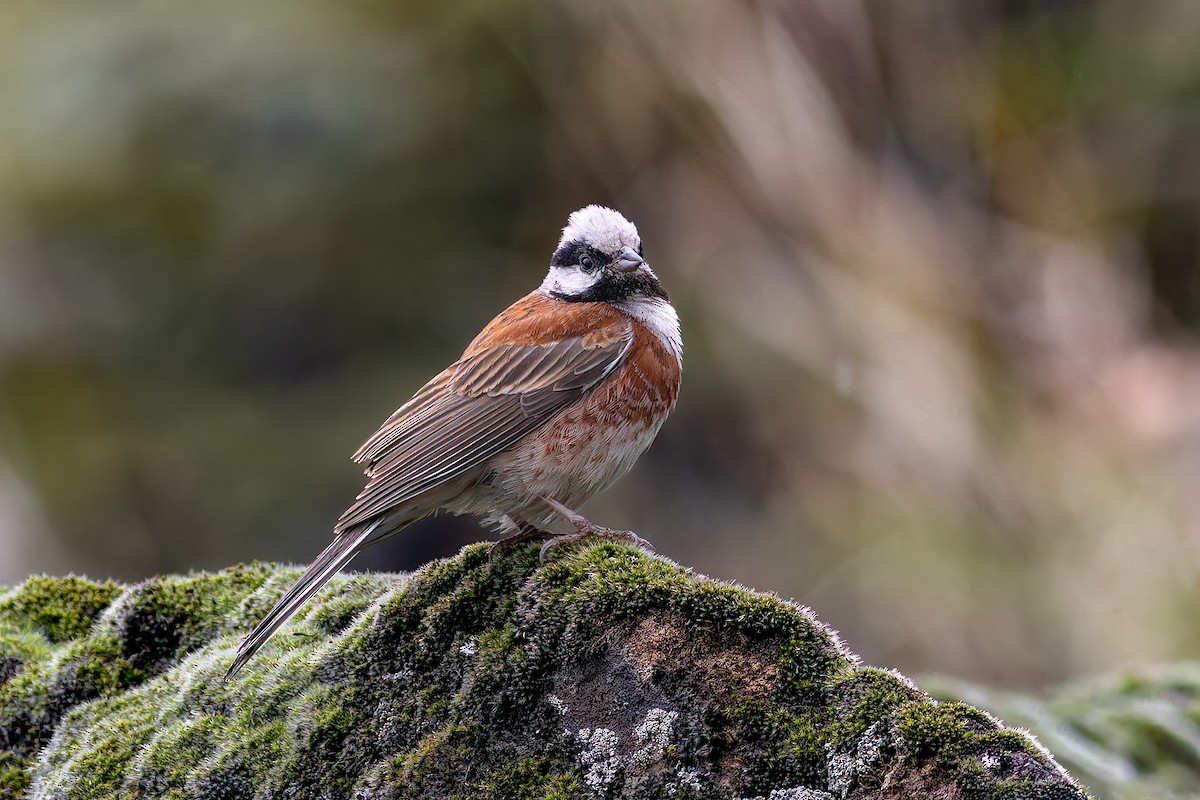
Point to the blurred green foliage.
(1131, 736)
(937, 265)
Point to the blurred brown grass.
(937, 263)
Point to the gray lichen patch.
(606, 673)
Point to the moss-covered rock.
(1130, 736)
(606, 673)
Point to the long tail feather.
(340, 551)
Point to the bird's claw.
(585, 529)
(527, 533)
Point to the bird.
(552, 402)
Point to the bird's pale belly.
(571, 458)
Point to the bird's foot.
(585, 529)
(525, 533)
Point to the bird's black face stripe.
(601, 259)
(570, 253)
(615, 288)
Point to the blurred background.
(938, 266)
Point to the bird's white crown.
(602, 228)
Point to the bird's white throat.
(659, 316)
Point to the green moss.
(169, 759)
(795, 756)
(17, 648)
(60, 608)
(330, 717)
(35, 699)
(168, 617)
(532, 779)
(934, 730)
(605, 672)
(244, 765)
(14, 776)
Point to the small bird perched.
(554, 400)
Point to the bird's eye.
(587, 263)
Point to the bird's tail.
(345, 545)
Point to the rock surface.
(606, 673)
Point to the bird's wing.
(478, 407)
(482, 404)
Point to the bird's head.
(599, 259)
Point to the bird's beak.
(627, 260)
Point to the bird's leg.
(526, 532)
(584, 529)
